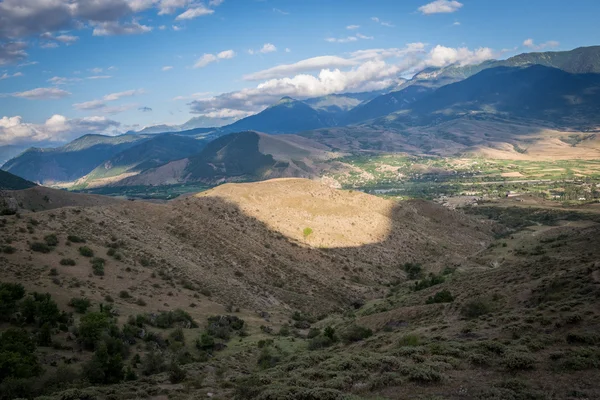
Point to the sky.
(71, 67)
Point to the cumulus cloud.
(11, 52)
(42, 94)
(268, 48)
(441, 56)
(211, 58)
(363, 70)
(440, 7)
(112, 28)
(549, 44)
(13, 130)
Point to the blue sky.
(69, 67)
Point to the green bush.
(98, 265)
(17, 356)
(176, 373)
(67, 261)
(441, 297)
(409, 340)
(356, 333)
(422, 374)
(124, 294)
(86, 251)
(75, 239)
(10, 294)
(206, 342)
(320, 342)
(106, 366)
(80, 305)
(8, 249)
(40, 247)
(38, 308)
(91, 327)
(413, 271)
(514, 361)
(476, 308)
(51, 240)
(153, 363)
(430, 281)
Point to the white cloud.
(56, 129)
(347, 39)
(211, 58)
(364, 70)
(287, 50)
(177, 28)
(383, 23)
(167, 68)
(112, 28)
(441, 56)
(42, 94)
(278, 11)
(361, 36)
(456, 23)
(8, 76)
(58, 80)
(215, 3)
(99, 77)
(440, 7)
(195, 12)
(310, 64)
(549, 44)
(66, 39)
(49, 45)
(101, 106)
(268, 48)
(352, 27)
(193, 96)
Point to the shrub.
(108, 298)
(53, 272)
(75, 239)
(51, 240)
(17, 352)
(441, 297)
(320, 342)
(413, 271)
(313, 332)
(356, 333)
(176, 373)
(432, 280)
(40, 247)
(8, 250)
(80, 305)
(476, 308)
(67, 261)
(39, 308)
(268, 358)
(10, 293)
(124, 294)
(86, 251)
(222, 326)
(153, 363)
(514, 361)
(422, 374)
(98, 265)
(91, 327)
(409, 340)
(205, 343)
(307, 232)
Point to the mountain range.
(539, 92)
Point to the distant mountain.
(550, 95)
(241, 156)
(150, 153)
(71, 161)
(10, 151)
(386, 104)
(194, 123)
(286, 116)
(9, 181)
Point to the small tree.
(307, 232)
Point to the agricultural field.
(163, 192)
(408, 176)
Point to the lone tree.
(307, 232)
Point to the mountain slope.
(151, 153)
(71, 161)
(242, 156)
(535, 93)
(285, 116)
(9, 181)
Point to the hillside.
(350, 303)
(243, 156)
(9, 181)
(68, 162)
(151, 153)
(285, 116)
(536, 93)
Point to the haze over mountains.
(554, 94)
